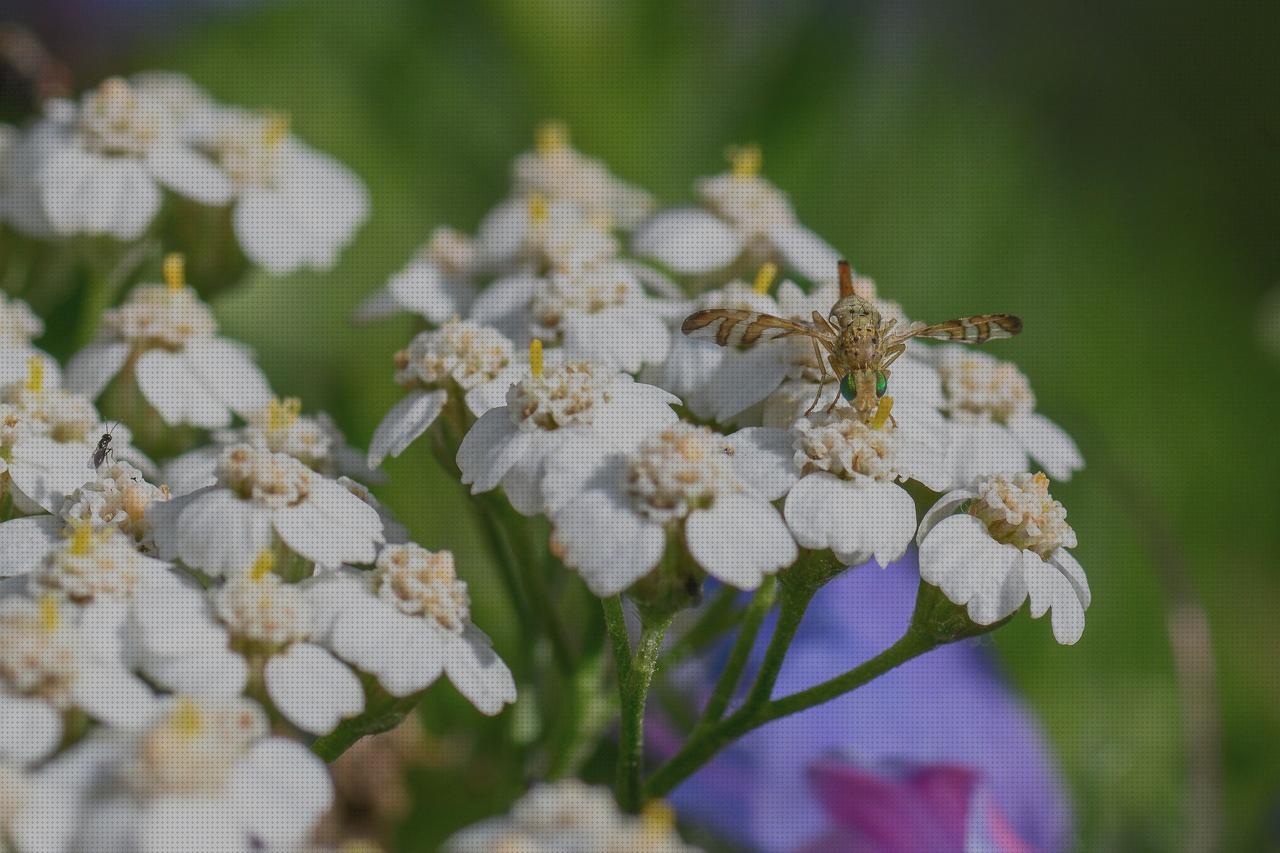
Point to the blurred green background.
(1110, 173)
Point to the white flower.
(38, 470)
(744, 215)
(314, 440)
(203, 777)
(461, 357)
(436, 284)
(39, 809)
(260, 496)
(562, 173)
(69, 657)
(409, 621)
(560, 406)
(995, 428)
(102, 163)
(18, 327)
(166, 336)
(272, 622)
(615, 510)
(30, 730)
(295, 207)
(570, 816)
(547, 235)
(847, 498)
(1010, 543)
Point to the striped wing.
(741, 328)
(977, 329)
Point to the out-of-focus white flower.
(614, 510)
(30, 731)
(847, 498)
(70, 657)
(167, 337)
(18, 327)
(203, 776)
(39, 809)
(261, 496)
(314, 440)
(570, 816)
(535, 232)
(600, 313)
(993, 547)
(995, 428)
(189, 107)
(43, 452)
(461, 357)
(570, 404)
(294, 207)
(272, 622)
(435, 285)
(100, 164)
(744, 215)
(562, 173)
(407, 622)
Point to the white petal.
(605, 542)
(25, 542)
(744, 379)
(502, 232)
(93, 367)
(312, 689)
(46, 471)
(1070, 567)
(688, 240)
(477, 672)
(1048, 444)
(332, 526)
(172, 388)
(504, 303)
(405, 423)
(215, 531)
(425, 290)
(89, 194)
(805, 252)
(942, 507)
(29, 730)
(979, 448)
(113, 696)
(278, 792)
(489, 449)
(228, 371)
(740, 540)
(192, 471)
(763, 459)
(265, 227)
(1051, 591)
(190, 174)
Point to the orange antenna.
(846, 279)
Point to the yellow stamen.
(658, 818)
(550, 137)
(539, 209)
(187, 719)
(264, 565)
(81, 539)
(282, 413)
(35, 374)
(175, 270)
(50, 614)
(535, 358)
(745, 161)
(764, 278)
(882, 413)
(277, 130)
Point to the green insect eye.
(846, 387)
(882, 383)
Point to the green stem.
(794, 599)
(759, 607)
(371, 722)
(702, 747)
(634, 694)
(616, 624)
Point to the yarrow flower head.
(262, 497)
(436, 284)
(570, 816)
(848, 498)
(165, 336)
(407, 622)
(993, 547)
(541, 234)
(745, 216)
(995, 428)
(614, 510)
(43, 455)
(567, 405)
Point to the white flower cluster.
(100, 165)
(571, 817)
(588, 432)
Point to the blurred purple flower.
(938, 755)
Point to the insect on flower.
(103, 449)
(859, 343)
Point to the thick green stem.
(794, 600)
(616, 624)
(760, 605)
(634, 694)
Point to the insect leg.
(891, 355)
(835, 398)
(822, 365)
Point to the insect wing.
(738, 327)
(977, 329)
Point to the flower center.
(568, 395)
(682, 469)
(195, 747)
(114, 120)
(586, 292)
(40, 653)
(839, 443)
(165, 316)
(274, 480)
(118, 496)
(248, 147)
(982, 384)
(418, 581)
(1019, 511)
(92, 564)
(259, 607)
(462, 351)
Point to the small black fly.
(103, 450)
